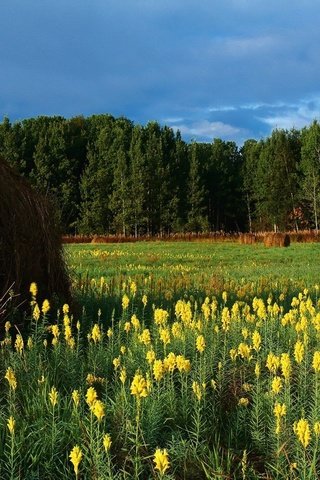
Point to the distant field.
(200, 265)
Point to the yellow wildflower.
(75, 458)
(197, 390)
(125, 302)
(316, 428)
(244, 351)
(7, 326)
(144, 300)
(11, 424)
(170, 362)
(150, 356)
(256, 340)
(302, 430)
(96, 334)
(98, 409)
(65, 308)
(107, 442)
(183, 364)
(139, 386)
(273, 363)
(299, 351)
(109, 332)
(45, 307)
(19, 344)
(243, 402)
(276, 385)
(285, 366)
(135, 322)
(165, 335)
(158, 370)
(160, 316)
(33, 289)
(257, 370)
(75, 398)
(116, 362)
(123, 375)
(127, 327)
(145, 337)
(10, 376)
(91, 396)
(316, 362)
(161, 461)
(200, 343)
(53, 396)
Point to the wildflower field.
(177, 361)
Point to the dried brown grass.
(276, 240)
(30, 241)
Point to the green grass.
(229, 261)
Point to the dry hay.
(30, 242)
(276, 240)
(248, 238)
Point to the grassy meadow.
(178, 360)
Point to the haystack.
(30, 242)
(247, 238)
(276, 240)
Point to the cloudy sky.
(233, 69)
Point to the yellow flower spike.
(135, 322)
(197, 390)
(109, 332)
(161, 461)
(160, 316)
(316, 362)
(285, 366)
(75, 458)
(98, 409)
(107, 442)
(33, 289)
(200, 343)
(127, 327)
(7, 326)
(125, 302)
(256, 340)
(11, 425)
(91, 396)
(302, 431)
(273, 363)
(55, 331)
(316, 428)
(257, 370)
(10, 376)
(243, 402)
(123, 349)
(150, 356)
(65, 309)
(145, 337)
(298, 351)
(165, 335)
(123, 375)
(53, 396)
(144, 300)
(139, 386)
(276, 385)
(75, 398)
(45, 307)
(170, 362)
(19, 344)
(96, 334)
(116, 363)
(30, 343)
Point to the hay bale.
(99, 239)
(30, 241)
(247, 238)
(276, 240)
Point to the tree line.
(108, 175)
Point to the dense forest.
(108, 175)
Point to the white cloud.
(293, 115)
(209, 130)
